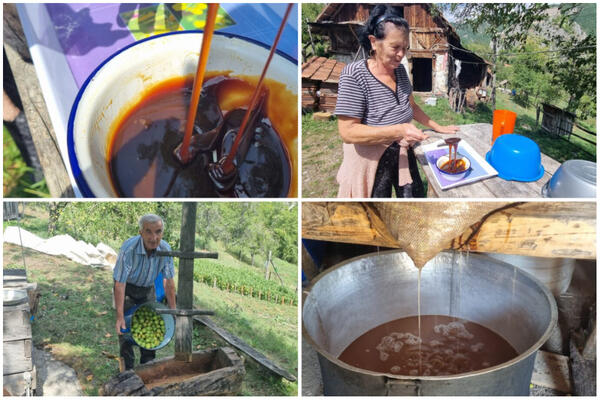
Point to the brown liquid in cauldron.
(141, 160)
(447, 346)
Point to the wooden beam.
(244, 347)
(188, 254)
(542, 229)
(185, 284)
(346, 223)
(552, 371)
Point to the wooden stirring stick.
(227, 164)
(209, 28)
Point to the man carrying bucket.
(134, 275)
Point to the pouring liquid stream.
(209, 29)
(227, 164)
(453, 165)
(419, 321)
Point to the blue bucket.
(168, 319)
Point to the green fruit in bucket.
(148, 328)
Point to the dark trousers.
(386, 176)
(135, 295)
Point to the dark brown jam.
(454, 166)
(141, 155)
(446, 346)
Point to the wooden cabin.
(436, 61)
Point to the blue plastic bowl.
(516, 158)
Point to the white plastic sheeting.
(63, 245)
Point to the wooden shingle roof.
(322, 69)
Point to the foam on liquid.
(446, 346)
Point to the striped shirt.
(136, 267)
(361, 95)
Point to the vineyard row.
(249, 291)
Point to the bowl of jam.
(130, 114)
(455, 169)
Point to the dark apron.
(386, 176)
(135, 295)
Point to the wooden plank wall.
(16, 356)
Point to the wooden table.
(479, 136)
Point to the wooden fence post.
(185, 284)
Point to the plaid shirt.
(135, 266)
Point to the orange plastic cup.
(504, 122)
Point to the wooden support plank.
(552, 371)
(187, 313)
(346, 223)
(542, 229)
(589, 349)
(583, 372)
(16, 357)
(185, 288)
(244, 347)
(16, 324)
(188, 254)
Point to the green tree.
(507, 25)
(574, 67)
(531, 77)
(208, 224)
(310, 12)
(113, 222)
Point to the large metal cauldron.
(364, 292)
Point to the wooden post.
(185, 285)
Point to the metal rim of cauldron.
(532, 349)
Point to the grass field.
(322, 145)
(75, 320)
(15, 177)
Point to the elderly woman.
(375, 108)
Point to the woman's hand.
(447, 129)
(411, 133)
